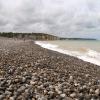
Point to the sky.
(65, 18)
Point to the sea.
(87, 50)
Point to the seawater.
(87, 50)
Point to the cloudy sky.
(70, 18)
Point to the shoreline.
(76, 54)
(28, 71)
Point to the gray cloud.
(74, 18)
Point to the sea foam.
(89, 56)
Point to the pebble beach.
(30, 72)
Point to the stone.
(12, 98)
(87, 75)
(97, 91)
(9, 82)
(84, 86)
(91, 91)
(16, 80)
(33, 98)
(21, 89)
(26, 65)
(23, 79)
(71, 78)
(32, 82)
(8, 93)
(1, 97)
(51, 94)
(73, 95)
(45, 92)
(62, 95)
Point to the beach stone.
(65, 90)
(63, 95)
(2, 97)
(28, 77)
(20, 97)
(3, 83)
(97, 91)
(1, 79)
(67, 98)
(98, 81)
(40, 87)
(21, 89)
(51, 94)
(46, 84)
(81, 96)
(51, 87)
(25, 73)
(73, 95)
(23, 79)
(9, 82)
(1, 91)
(33, 99)
(42, 98)
(71, 79)
(10, 71)
(32, 82)
(75, 83)
(95, 98)
(91, 90)
(87, 75)
(89, 83)
(26, 65)
(45, 92)
(84, 87)
(16, 80)
(12, 98)
(57, 90)
(8, 93)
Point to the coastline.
(89, 56)
(28, 71)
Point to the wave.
(88, 56)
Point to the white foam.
(90, 56)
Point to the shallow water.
(86, 50)
(78, 44)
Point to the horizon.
(51, 35)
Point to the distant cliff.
(34, 36)
(37, 36)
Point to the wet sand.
(29, 72)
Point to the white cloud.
(62, 17)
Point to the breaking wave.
(88, 55)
